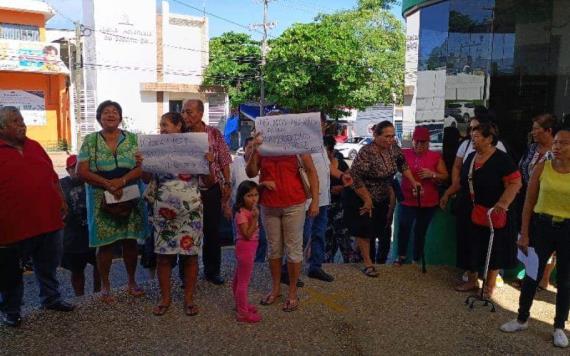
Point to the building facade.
(32, 75)
(510, 56)
(148, 60)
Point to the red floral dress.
(177, 215)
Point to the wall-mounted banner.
(30, 56)
(183, 153)
(30, 103)
(290, 134)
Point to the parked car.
(461, 110)
(350, 148)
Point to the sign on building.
(30, 103)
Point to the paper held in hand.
(290, 134)
(183, 153)
(130, 192)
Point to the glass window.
(17, 32)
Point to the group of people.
(283, 208)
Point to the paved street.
(401, 312)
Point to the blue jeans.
(46, 251)
(315, 230)
(406, 218)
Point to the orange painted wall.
(24, 18)
(56, 104)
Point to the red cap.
(71, 161)
(421, 133)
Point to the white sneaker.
(559, 338)
(499, 283)
(514, 326)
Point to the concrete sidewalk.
(402, 312)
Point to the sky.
(243, 12)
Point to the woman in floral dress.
(177, 220)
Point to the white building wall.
(123, 57)
(411, 72)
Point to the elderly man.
(215, 195)
(31, 221)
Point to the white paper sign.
(30, 103)
(183, 153)
(530, 261)
(290, 134)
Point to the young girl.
(246, 218)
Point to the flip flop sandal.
(398, 262)
(107, 298)
(291, 305)
(462, 288)
(160, 309)
(135, 292)
(370, 272)
(190, 309)
(269, 299)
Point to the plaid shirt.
(219, 148)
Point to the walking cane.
(480, 297)
(419, 198)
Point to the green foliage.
(234, 63)
(348, 59)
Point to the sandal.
(269, 299)
(107, 298)
(399, 262)
(160, 309)
(291, 305)
(466, 287)
(135, 292)
(190, 309)
(370, 271)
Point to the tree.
(347, 59)
(234, 64)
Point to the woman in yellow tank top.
(546, 227)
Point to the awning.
(232, 125)
(251, 111)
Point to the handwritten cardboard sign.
(183, 153)
(290, 134)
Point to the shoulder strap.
(470, 180)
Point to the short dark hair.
(106, 104)
(247, 141)
(379, 128)
(488, 129)
(329, 142)
(547, 122)
(176, 118)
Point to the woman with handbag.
(491, 179)
(282, 200)
(107, 164)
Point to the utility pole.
(264, 49)
(78, 81)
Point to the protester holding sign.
(107, 164)
(546, 227)
(177, 221)
(215, 194)
(282, 203)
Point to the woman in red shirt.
(282, 201)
